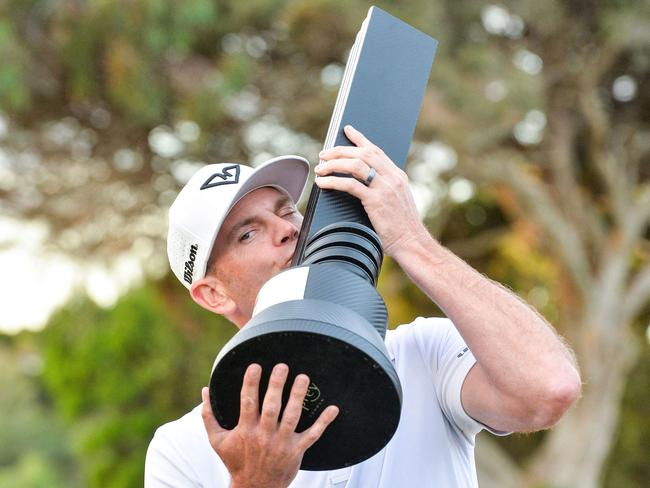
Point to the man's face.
(256, 241)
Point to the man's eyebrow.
(283, 201)
(243, 223)
(280, 203)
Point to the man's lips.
(290, 260)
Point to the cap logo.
(228, 176)
(189, 264)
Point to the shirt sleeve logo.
(228, 176)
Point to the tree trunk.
(574, 452)
(495, 468)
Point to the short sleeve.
(180, 455)
(165, 467)
(450, 360)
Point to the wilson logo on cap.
(189, 264)
(226, 177)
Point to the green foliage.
(129, 54)
(130, 44)
(132, 82)
(34, 444)
(309, 22)
(33, 470)
(237, 70)
(14, 92)
(115, 375)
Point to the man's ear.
(211, 294)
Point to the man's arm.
(525, 377)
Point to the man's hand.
(263, 451)
(387, 199)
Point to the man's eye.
(246, 236)
(288, 211)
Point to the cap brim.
(288, 173)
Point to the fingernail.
(254, 370)
(280, 369)
(349, 127)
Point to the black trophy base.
(345, 370)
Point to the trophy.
(323, 316)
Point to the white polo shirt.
(433, 445)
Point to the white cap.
(202, 205)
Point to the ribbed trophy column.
(324, 319)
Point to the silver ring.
(371, 176)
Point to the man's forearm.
(518, 350)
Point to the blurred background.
(531, 160)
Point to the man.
(516, 376)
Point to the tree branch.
(495, 468)
(559, 147)
(477, 246)
(638, 295)
(638, 218)
(615, 269)
(541, 207)
(599, 127)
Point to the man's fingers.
(348, 185)
(363, 149)
(353, 166)
(273, 398)
(211, 425)
(249, 396)
(357, 137)
(293, 410)
(311, 435)
(350, 152)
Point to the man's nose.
(285, 231)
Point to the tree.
(585, 192)
(539, 102)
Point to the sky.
(33, 283)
